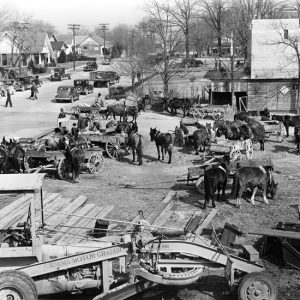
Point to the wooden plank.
(73, 221)
(157, 211)
(273, 232)
(162, 214)
(250, 253)
(130, 226)
(206, 221)
(194, 221)
(70, 208)
(162, 221)
(21, 182)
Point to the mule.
(297, 137)
(178, 103)
(236, 130)
(135, 142)
(201, 139)
(164, 143)
(75, 158)
(216, 179)
(258, 131)
(254, 178)
(117, 109)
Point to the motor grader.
(116, 267)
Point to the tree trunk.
(187, 43)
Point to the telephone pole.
(233, 100)
(74, 27)
(104, 28)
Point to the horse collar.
(220, 167)
(263, 169)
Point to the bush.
(62, 57)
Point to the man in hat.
(74, 131)
(8, 98)
(61, 115)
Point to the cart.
(217, 112)
(55, 161)
(275, 128)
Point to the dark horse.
(75, 158)
(216, 178)
(178, 103)
(254, 178)
(15, 156)
(257, 129)
(3, 159)
(234, 130)
(122, 110)
(201, 138)
(297, 136)
(164, 141)
(135, 141)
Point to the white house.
(7, 48)
(271, 56)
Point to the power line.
(74, 27)
(104, 28)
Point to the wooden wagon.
(275, 128)
(55, 161)
(217, 112)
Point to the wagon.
(55, 161)
(217, 112)
(275, 128)
(89, 111)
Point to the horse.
(132, 111)
(135, 141)
(75, 158)
(54, 142)
(201, 138)
(235, 130)
(3, 159)
(178, 103)
(117, 109)
(297, 137)
(216, 178)
(253, 177)
(163, 141)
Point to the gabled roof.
(36, 44)
(68, 38)
(58, 45)
(52, 35)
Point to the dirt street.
(130, 187)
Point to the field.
(130, 187)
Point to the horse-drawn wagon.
(275, 128)
(216, 112)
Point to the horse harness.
(220, 167)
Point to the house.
(58, 47)
(9, 49)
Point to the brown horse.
(201, 138)
(135, 141)
(163, 141)
(75, 158)
(54, 142)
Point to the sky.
(87, 13)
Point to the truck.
(104, 78)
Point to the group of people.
(34, 91)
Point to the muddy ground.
(130, 187)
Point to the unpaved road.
(130, 187)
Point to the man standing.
(8, 99)
(36, 91)
(61, 115)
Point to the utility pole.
(74, 27)
(104, 28)
(233, 100)
(132, 41)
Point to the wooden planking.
(194, 221)
(206, 221)
(72, 221)
(273, 232)
(162, 214)
(130, 226)
(162, 221)
(70, 208)
(88, 223)
(250, 253)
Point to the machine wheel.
(112, 147)
(16, 285)
(63, 169)
(79, 88)
(95, 163)
(257, 286)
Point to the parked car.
(104, 77)
(90, 66)
(84, 86)
(23, 83)
(66, 93)
(59, 74)
(191, 63)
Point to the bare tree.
(214, 13)
(183, 12)
(168, 38)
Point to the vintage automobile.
(66, 93)
(90, 66)
(104, 78)
(84, 86)
(23, 83)
(59, 74)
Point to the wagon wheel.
(235, 154)
(257, 286)
(112, 147)
(202, 113)
(200, 185)
(249, 149)
(281, 134)
(95, 163)
(195, 113)
(63, 169)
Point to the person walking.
(32, 92)
(36, 91)
(8, 98)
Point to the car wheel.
(79, 89)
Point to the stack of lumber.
(68, 221)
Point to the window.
(4, 59)
(295, 87)
(96, 48)
(85, 48)
(285, 34)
